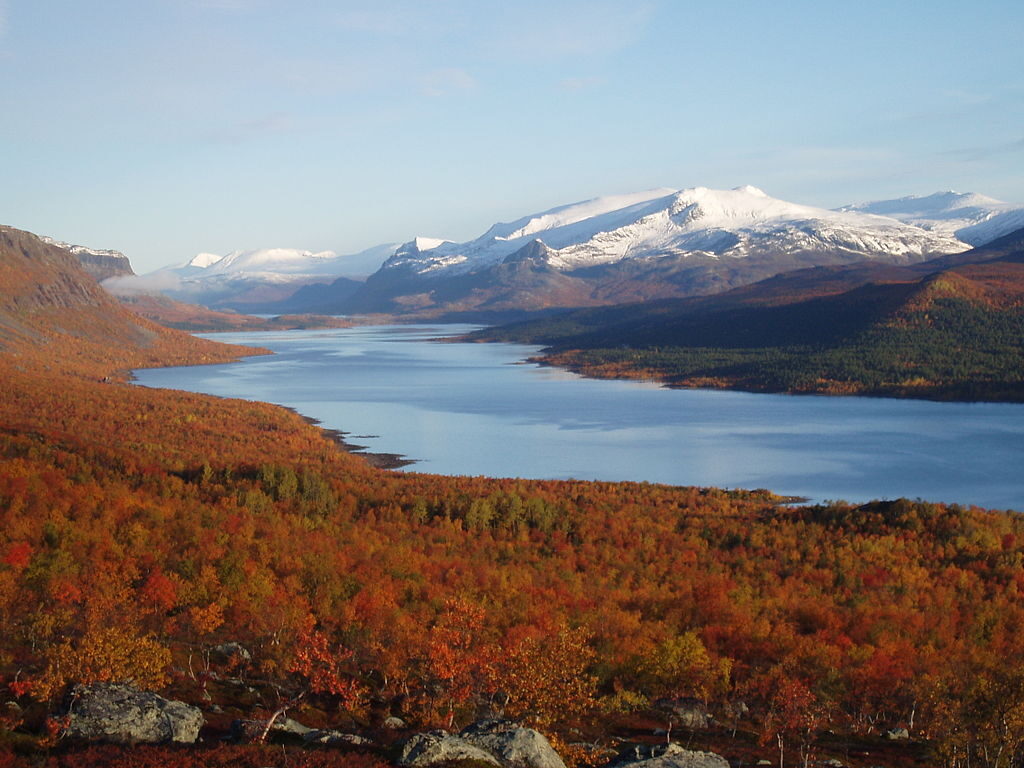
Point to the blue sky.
(163, 128)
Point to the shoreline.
(337, 436)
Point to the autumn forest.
(144, 532)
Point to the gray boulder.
(425, 749)
(284, 729)
(514, 745)
(669, 756)
(685, 712)
(122, 714)
(393, 723)
(896, 734)
(232, 652)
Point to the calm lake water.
(475, 409)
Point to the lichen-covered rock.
(393, 723)
(122, 714)
(425, 749)
(514, 745)
(669, 756)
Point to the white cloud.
(140, 285)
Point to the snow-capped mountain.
(284, 264)
(972, 218)
(100, 263)
(254, 280)
(652, 244)
(726, 223)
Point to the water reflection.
(474, 409)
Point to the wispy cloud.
(443, 82)
(975, 154)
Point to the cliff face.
(53, 312)
(102, 265)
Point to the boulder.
(669, 756)
(393, 723)
(896, 734)
(122, 714)
(284, 729)
(514, 745)
(336, 738)
(232, 652)
(685, 712)
(425, 749)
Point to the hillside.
(53, 315)
(948, 329)
(143, 531)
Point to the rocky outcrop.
(668, 756)
(122, 714)
(426, 749)
(514, 745)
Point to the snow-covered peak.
(204, 260)
(703, 208)
(972, 218)
(567, 215)
(939, 205)
(734, 222)
(750, 190)
(428, 243)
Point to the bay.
(477, 409)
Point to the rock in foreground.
(425, 749)
(513, 745)
(670, 756)
(122, 714)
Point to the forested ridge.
(143, 529)
(954, 333)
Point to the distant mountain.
(253, 280)
(637, 247)
(974, 219)
(932, 329)
(101, 264)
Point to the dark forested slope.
(953, 328)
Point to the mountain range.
(643, 246)
(255, 280)
(666, 243)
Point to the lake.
(477, 409)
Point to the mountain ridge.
(649, 245)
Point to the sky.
(166, 128)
